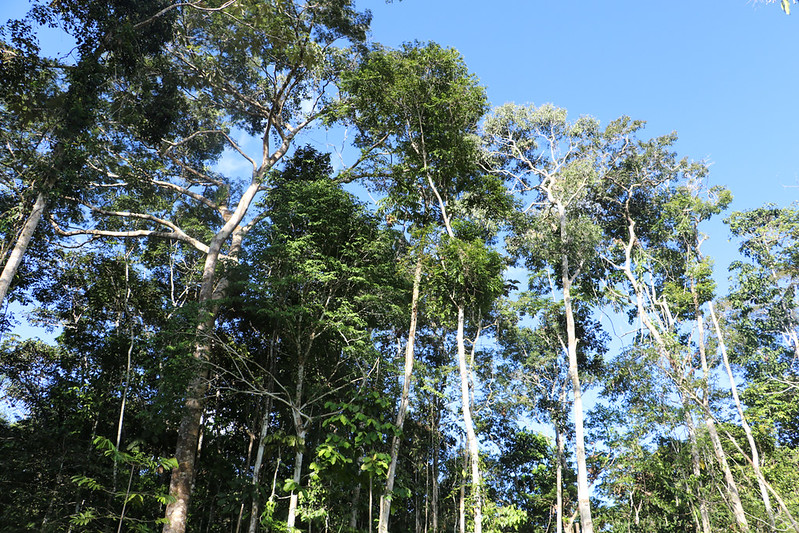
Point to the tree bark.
(721, 456)
(583, 494)
(704, 517)
(471, 437)
(259, 455)
(293, 499)
(385, 498)
(212, 290)
(559, 480)
(356, 498)
(23, 240)
(761, 480)
(256, 472)
(435, 495)
(462, 494)
(301, 429)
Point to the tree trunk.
(212, 289)
(256, 472)
(356, 498)
(293, 499)
(385, 498)
(761, 480)
(259, 455)
(301, 429)
(721, 456)
(434, 499)
(583, 495)
(462, 494)
(471, 437)
(704, 517)
(188, 439)
(561, 458)
(23, 240)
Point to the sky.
(721, 73)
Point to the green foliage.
(140, 465)
(421, 104)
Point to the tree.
(538, 365)
(556, 167)
(421, 106)
(322, 280)
(268, 77)
(51, 109)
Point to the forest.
(467, 318)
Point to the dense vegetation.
(244, 345)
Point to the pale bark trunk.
(256, 473)
(259, 455)
(385, 498)
(23, 240)
(356, 498)
(721, 456)
(240, 515)
(462, 494)
(471, 437)
(434, 499)
(293, 499)
(371, 502)
(583, 494)
(559, 480)
(761, 480)
(300, 427)
(704, 516)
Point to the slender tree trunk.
(462, 493)
(293, 499)
(240, 514)
(385, 498)
(583, 494)
(301, 429)
(761, 480)
(126, 380)
(704, 516)
(721, 456)
(259, 455)
(434, 500)
(471, 437)
(356, 498)
(256, 471)
(561, 458)
(23, 240)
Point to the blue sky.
(722, 74)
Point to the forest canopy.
(240, 341)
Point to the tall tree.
(557, 168)
(323, 279)
(264, 68)
(51, 108)
(421, 105)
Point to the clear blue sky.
(723, 74)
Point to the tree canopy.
(251, 334)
